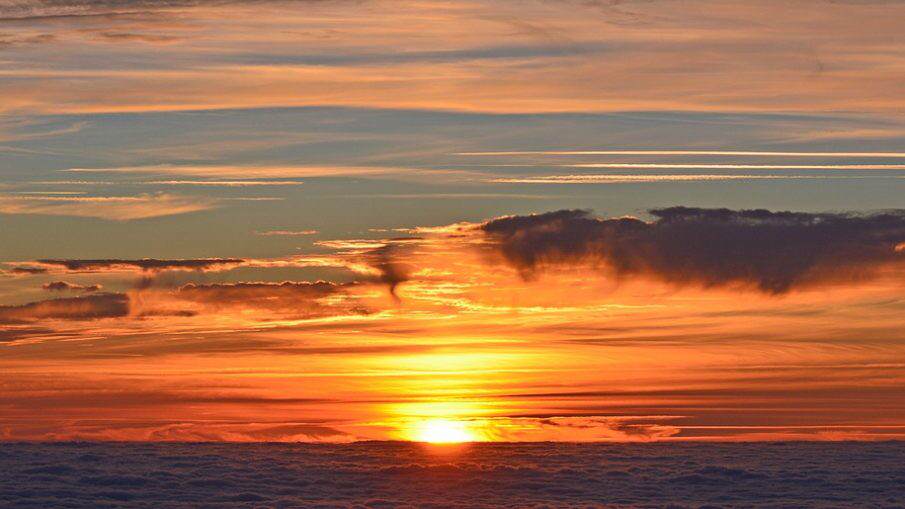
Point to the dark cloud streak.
(60, 286)
(145, 264)
(105, 305)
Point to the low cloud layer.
(25, 9)
(771, 251)
(25, 271)
(62, 286)
(145, 264)
(105, 305)
(290, 299)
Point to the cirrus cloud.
(116, 208)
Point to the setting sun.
(443, 431)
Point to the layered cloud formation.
(145, 264)
(572, 56)
(477, 323)
(111, 305)
(59, 286)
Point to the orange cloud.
(115, 208)
(473, 56)
(106, 305)
(59, 286)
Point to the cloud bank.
(144, 264)
(60, 286)
(771, 251)
(107, 305)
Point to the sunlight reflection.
(443, 431)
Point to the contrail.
(682, 153)
(629, 179)
(696, 166)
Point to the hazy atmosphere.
(449, 222)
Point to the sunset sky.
(488, 220)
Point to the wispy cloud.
(192, 183)
(115, 208)
(631, 179)
(655, 152)
(706, 166)
(286, 233)
(243, 172)
(248, 173)
(546, 56)
(143, 264)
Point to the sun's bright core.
(443, 431)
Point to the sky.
(497, 220)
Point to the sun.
(443, 431)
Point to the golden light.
(443, 431)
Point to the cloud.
(194, 183)
(773, 252)
(286, 233)
(294, 299)
(144, 264)
(112, 36)
(114, 208)
(641, 179)
(60, 286)
(710, 166)
(31, 9)
(546, 57)
(392, 271)
(10, 333)
(248, 172)
(105, 305)
(656, 152)
(289, 298)
(26, 271)
(371, 261)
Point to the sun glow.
(443, 431)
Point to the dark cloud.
(112, 36)
(27, 270)
(6, 42)
(14, 333)
(61, 286)
(393, 271)
(290, 298)
(105, 305)
(146, 264)
(296, 299)
(244, 292)
(773, 252)
(43, 9)
(77, 398)
(258, 294)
